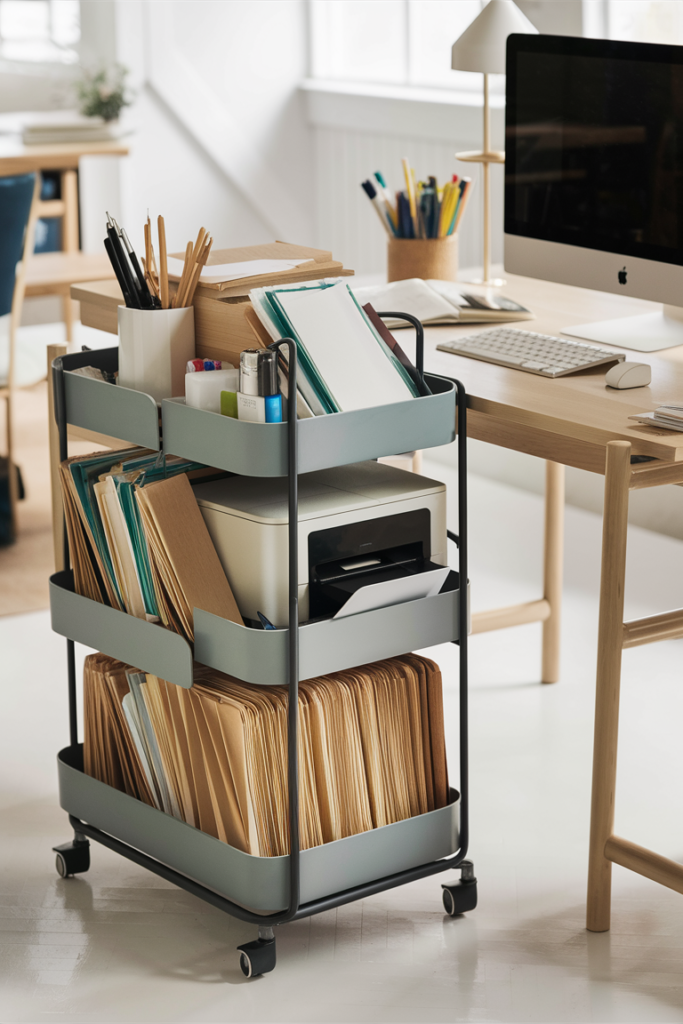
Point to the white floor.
(118, 944)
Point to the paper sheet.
(221, 272)
(383, 595)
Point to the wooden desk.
(43, 277)
(572, 421)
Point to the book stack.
(225, 323)
(371, 749)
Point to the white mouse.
(628, 375)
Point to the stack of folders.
(371, 749)
(343, 361)
(138, 541)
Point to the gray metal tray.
(143, 645)
(259, 883)
(260, 449)
(108, 408)
(254, 655)
(330, 645)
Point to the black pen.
(133, 299)
(113, 259)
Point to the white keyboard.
(544, 354)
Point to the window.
(40, 30)
(645, 21)
(399, 42)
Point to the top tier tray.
(256, 449)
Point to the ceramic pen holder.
(154, 347)
(422, 257)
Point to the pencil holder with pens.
(428, 258)
(154, 348)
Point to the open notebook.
(436, 302)
(371, 749)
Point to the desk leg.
(610, 635)
(70, 240)
(552, 570)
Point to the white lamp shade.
(481, 47)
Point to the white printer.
(357, 524)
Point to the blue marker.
(269, 385)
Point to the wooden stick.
(184, 277)
(163, 263)
(201, 263)
(198, 245)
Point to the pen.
(125, 267)
(378, 203)
(146, 299)
(113, 259)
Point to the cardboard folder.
(371, 750)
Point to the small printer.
(358, 524)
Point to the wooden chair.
(18, 206)
(53, 273)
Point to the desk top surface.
(578, 406)
(537, 414)
(16, 158)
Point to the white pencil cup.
(154, 346)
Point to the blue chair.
(18, 198)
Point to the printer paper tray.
(255, 655)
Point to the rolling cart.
(265, 891)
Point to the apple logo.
(622, 276)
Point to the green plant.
(103, 93)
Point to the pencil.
(163, 263)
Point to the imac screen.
(594, 145)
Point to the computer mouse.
(628, 375)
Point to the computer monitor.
(594, 176)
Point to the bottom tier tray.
(259, 883)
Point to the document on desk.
(222, 272)
(389, 592)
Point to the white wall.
(220, 137)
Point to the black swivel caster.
(258, 957)
(462, 896)
(72, 858)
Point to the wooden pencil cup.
(422, 257)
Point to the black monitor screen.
(594, 145)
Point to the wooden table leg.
(610, 634)
(552, 570)
(53, 352)
(70, 240)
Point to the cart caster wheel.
(257, 957)
(72, 858)
(462, 896)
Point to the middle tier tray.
(260, 449)
(255, 655)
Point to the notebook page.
(345, 351)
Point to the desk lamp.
(481, 47)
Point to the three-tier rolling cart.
(265, 891)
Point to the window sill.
(404, 111)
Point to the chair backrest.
(16, 196)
